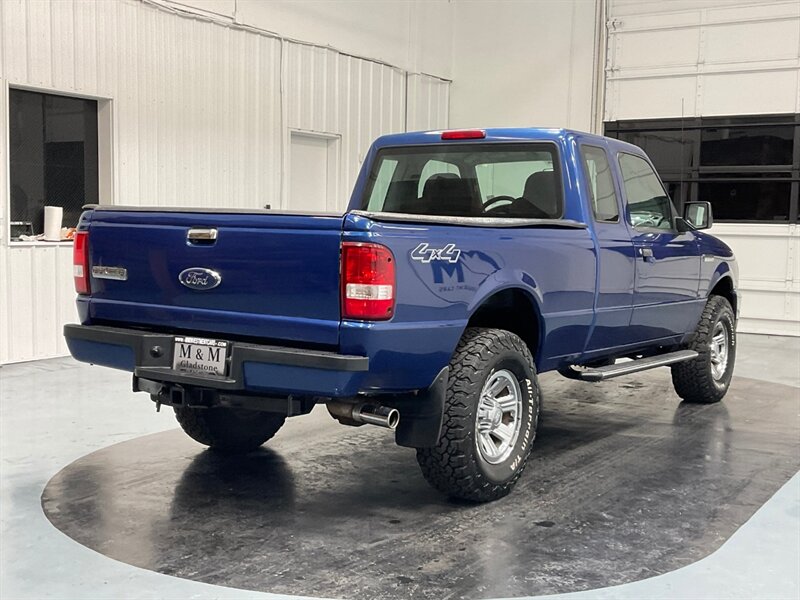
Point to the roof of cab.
(496, 134)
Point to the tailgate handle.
(201, 236)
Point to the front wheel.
(706, 379)
(491, 413)
(229, 430)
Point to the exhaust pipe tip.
(359, 414)
(393, 418)
(375, 414)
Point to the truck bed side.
(439, 291)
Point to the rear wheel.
(229, 430)
(706, 379)
(491, 413)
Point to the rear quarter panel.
(435, 298)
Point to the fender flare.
(722, 271)
(516, 280)
(505, 280)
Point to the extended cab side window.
(648, 203)
(601, 184)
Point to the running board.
(634, 366)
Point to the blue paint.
(97, 353)
(591, 292)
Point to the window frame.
(106, 175)
(621, 204)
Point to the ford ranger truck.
(466, 263)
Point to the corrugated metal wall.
(428, 102)
(708, 58)
(198, 119)
(337, 94)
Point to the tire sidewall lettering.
(527, 438)
(726, 319)
(530, 413)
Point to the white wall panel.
(749, 93)
(414, 35)
(655, 48)
(523, 64)
(720, 58)
(651, 12)
(201, 113)
(658, 96)
(428, 103)
(777, 40)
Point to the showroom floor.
(658, 498)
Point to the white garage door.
(703, 59)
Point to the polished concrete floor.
(626, 483)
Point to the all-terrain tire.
(456, 466)
(694, 380)
(229, 430)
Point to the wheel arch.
(514, 309)
(722, 284)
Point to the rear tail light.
(80, 262)
(368, 281)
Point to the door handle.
(646, 254)
(201, 236)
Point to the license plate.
(200, 356)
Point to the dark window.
(601, 184)
(678, 191)
(671, 151)
(53, 157)
(745, 146)
(747, 198)
(747, 167)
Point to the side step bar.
(634, 366)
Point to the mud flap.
(421, 414)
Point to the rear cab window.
(468, 180)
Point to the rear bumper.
(252, 367)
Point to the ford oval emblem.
(197, 278)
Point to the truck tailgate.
(279, 274)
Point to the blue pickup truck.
(467, 262)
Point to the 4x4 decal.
(425, 254)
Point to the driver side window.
(648, 204)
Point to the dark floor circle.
(625, 482)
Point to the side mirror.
(698, 214)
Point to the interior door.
(666, 291)
(313, 169)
